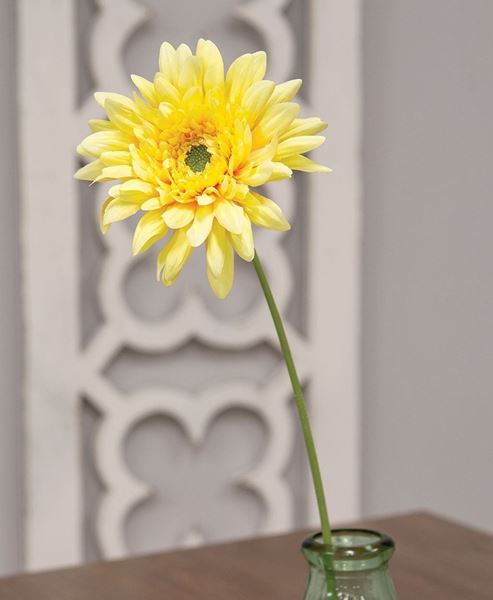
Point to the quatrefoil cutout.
(196, 488)
(232, 477)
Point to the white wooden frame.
(57, 372)
(335, 233)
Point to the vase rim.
(351, 544)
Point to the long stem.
(300, 403)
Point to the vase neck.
(357, 560)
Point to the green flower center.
(197, 158)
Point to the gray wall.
(428, 243)
(10, 315)
(427, 279)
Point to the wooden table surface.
(435, 559)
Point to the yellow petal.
(90, 171)
(243, 72)
(265, 153)
(117, 157)
(258, 176)
(298, 145)
(184, 66)
(213, 78)
(229, 215)
(166, 109)
(280, 171)
(178, 215)
(183, 53)
(201, 226)
(309, 126)
(117, 210)
(103, 141)
(208, 53)
(165, 90)
(136, 190)
(122, 117)
(188, 77)
(242, 145)
(284, 92)
(173, 257)
(193, 95)
(151, 204)
(104, 227)
(114, 190)
(216, 246)
(275, 120)
(101, 98)
(205, 199)
(241, 191)
(243, 242)
(100, 125)
(149, 230)
(133, 194)
(167, 62)
(115, 172)
(302, 163)
(146, 88)
(222, 283)
(212, 61)
(265, 213)
(144, 111)
(215, 98)
(256, 98)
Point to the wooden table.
(435, 559)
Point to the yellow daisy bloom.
(188, 150)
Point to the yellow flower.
(189, 149)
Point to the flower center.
(198, 158)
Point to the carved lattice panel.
(161, 417)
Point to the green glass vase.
(356, 565)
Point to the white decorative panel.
(113, 359)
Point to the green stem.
(300, 403)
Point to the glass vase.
(356, 565)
